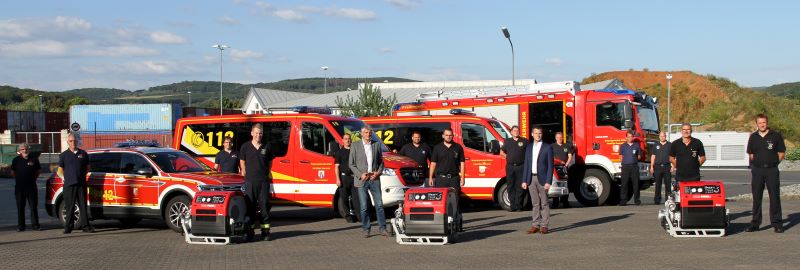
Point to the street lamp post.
(508, 36)
(41, 105)
(669, 90)
(221, 48)
(325, 87)
(190, 98)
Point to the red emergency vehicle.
(594, 121)
(302, 140)
(132, 183)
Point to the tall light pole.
(190, 98)
(508, 36)
(221, 48)
(325, 88)
(41, 105)
(669, 90)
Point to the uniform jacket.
(544, 164)
(358, 161)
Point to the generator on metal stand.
(218, 216)
(427, 216)
(695, 209)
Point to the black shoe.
(37, 228)
(752, 228)
(623, 204)
(566, 205)
(638, 203)
(366, 234)
(778, 229)
(265, 235)
(67, 229)
(249, 235)
(657, 202)
(21, 229)
(88, 229)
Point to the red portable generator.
(427, 216)
(696, 209)
(218, 216)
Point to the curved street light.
(508, 36)
(221, 48)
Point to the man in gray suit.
(366, 162)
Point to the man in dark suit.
(366, 163)
(537, 176)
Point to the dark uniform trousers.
(662, 173)
(768, 177)
(258, 194)
(450, 180)
(630, 179)
(73, 195)
(27, 193)
(346, 190)
(514, 186)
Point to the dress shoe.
(778, 229)
(265, 235)
(752, 228)
(366, 234)
(657, 202)
(20, 229)
(88, 229)
(544, 230)
(623, 204)
(37, 228)
(638, 203)
(533, 230)
(384, 233)
(566, 205)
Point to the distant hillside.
(18, 99)
(790, 90)
(717, 102)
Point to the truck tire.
(62, 209)
(175, 208)
(502, 197)
(595, 188)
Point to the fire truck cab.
(593, 121)
(303, 140)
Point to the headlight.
(216, 199)
(389, 172)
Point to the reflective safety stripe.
(265, 226)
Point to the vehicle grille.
(412, 176)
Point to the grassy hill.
(790, 90)
(717, 102)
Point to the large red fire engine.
(594, 121)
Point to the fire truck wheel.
(176, 207)
(595, 189)
(62, 210)
(129, 222)
(502, 197)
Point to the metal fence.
(50, 141)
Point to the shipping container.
(3, 121)
(90, 140)
(25, 121)
(125, 117)
(56, 121)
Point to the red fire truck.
(594, 121)
(302, 139)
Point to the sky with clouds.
(62, 45)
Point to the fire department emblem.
(135, 192)
(769, 145)
(694, 153)
(519, 144)
(658, 147)
(320, 174)
(482, 169)
(198, 139)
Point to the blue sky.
(61, 45)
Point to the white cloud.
(37, 48)
(144, 67)
(554, 61)
(239, 55)
(72, 23)
(386, 50)
(404, 3)
(13, 29)
(352, 13)
(227, 20)
(120, 51)
(164, 37)
(239, 2)
(290, 15)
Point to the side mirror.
(627, 112)
(333, 147)
(628, 124)
(494, 147)
(146, 171)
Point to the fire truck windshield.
(648, 118)
(177, 162)
(500, 129)
(354, 128)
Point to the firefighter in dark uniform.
(660, 166)
(447, 166)
(514, 152)
(227, 160)
(630, 152)
(562, 151)
(256, 163)
(766, 150)
(25, 169)
(74, 166)
(687, 154)
(344, 179)
(417, 150)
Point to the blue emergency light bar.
(461, 112)
(310, 109)
(137, 143)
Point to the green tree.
(369, 102)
